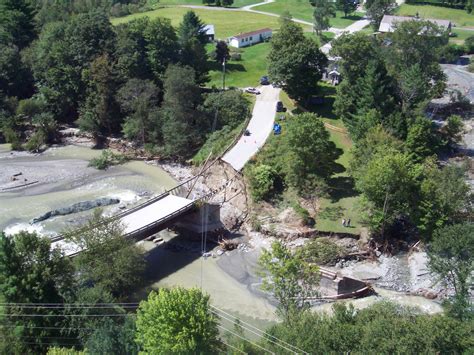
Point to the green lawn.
(237, 3)
(227, 23)
(245, 72)
(461, 35)
(301, 9)
(460, 17)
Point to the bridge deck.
(155, 212)
(143, 219)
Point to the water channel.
(61, 177)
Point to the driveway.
(260, 127)
(459, 78)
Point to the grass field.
(245, 72)
(302, 10)
(461, 36)
(460, 17)
(226, 23)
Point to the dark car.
(264, 80)
(246, 132)
(280, 107)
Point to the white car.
(251, 90)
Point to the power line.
(251, 331)
(241, 337)
(259, 330)
(231, 346)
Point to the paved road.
(260, 127)
(355, 27)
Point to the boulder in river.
(77, 207)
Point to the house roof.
(389, 22)
(253, 33)
(209, 30)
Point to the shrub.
(107, 159)
(36, 141)
(321, 251)
(262, 182)
(469, 44)
(303, 213)
(451, 52)
(235, 56)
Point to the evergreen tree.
(193, 39)
(222, 52)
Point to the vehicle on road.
(280, 107)
(264, 80)
(246, 132)
(251, 90)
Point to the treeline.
(141, 79)
(382, 100)
(458, 4)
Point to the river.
(62, 177)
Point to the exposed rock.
(77, 207)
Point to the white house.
(210, 32)
(249, 38)
(389, 23)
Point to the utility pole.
(223, 74)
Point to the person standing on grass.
(343, 222)
(348, 223)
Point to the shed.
(210, 32)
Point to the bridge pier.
(206, 217)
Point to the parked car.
(251, 90)
(264, 80)
(280, 107)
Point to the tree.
(262, 182)
(323, 10)
(413, 59)
(191, 27)
(99, 113)
(138, 100)
(421, 139)
(311, 154)
(182, 123)
(225, 108)
(295, 61)
(17, 19)
(112, 338)
(32, 273)
(222, 52)
(451, 256)
(346, 6)
(289, 279)
(162, 47)
(61, 54)
(376, 9)
(15, 76)
(356, 51)
(177, 321)
(193, 38)
(453, 131)
(108, 259)
(445, 197)
(390, 188)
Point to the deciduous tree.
(323, 11)
(177, 321)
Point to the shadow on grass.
(341, 187)
(332, 213)
(214, 66)
(352, 17)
